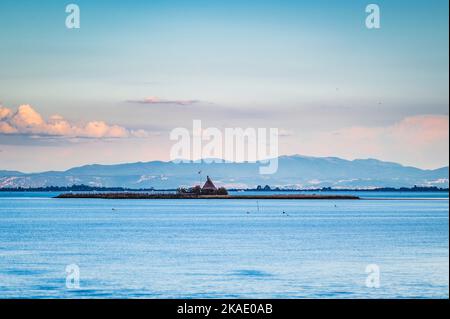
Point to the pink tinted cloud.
(421, 140)
(4, 112)
(27, 121)
(422, 129)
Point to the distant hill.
(294, 172)
(10, 173)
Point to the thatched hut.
(209, 187)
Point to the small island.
(208, 191)
(181, 196)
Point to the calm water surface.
(224, 248)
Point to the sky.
(113, 90)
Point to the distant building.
(209, 187)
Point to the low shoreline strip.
(185, 196)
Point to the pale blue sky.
(311, 68)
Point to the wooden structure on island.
(209, 188)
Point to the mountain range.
(294, 171)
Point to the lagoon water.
(224, 248)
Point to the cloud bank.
(420, 140)
(415, 132)
(27, 121)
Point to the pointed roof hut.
(209, 186)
